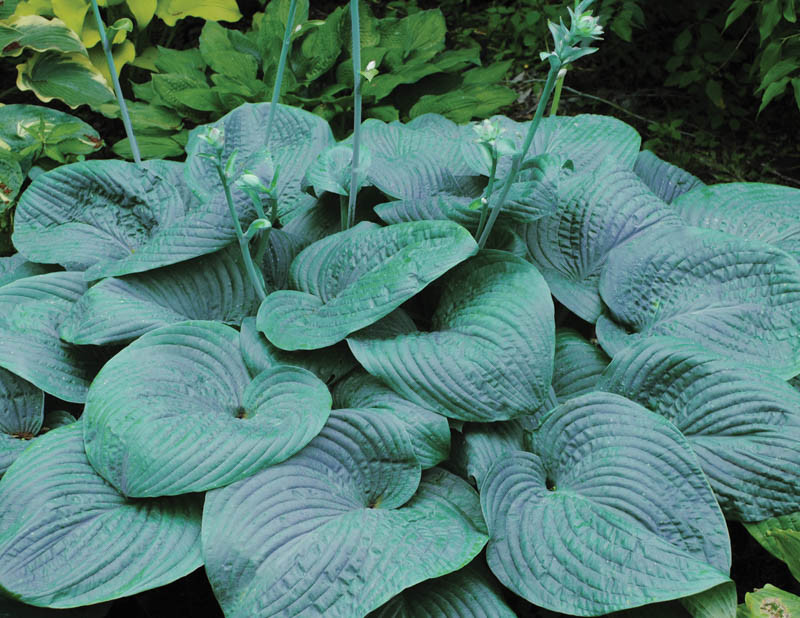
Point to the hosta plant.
(383, 418)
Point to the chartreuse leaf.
(713, 603)
(489, 355)
(744, 425)
(769, 602)
(31, 310)
(753, 210)
(339, 528)
(471, 592)
(738, 297)
(429, 432)
(71, 78)
(296, 139)
(171, 11)
(597, 211)
(177, 412)
(211, 287)
(610, 511)
(350, 280)
(667, 181)
(93, 214)
(780, 536)
(38, 34)
(67, 538)
(578, 365)
(328, 364)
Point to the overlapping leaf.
(744, 425)
(780, 536)
(667, 181)
(578, 365)
(597, 211)
(176, 412)
(610, 511)
(754, 210)
(21, 416)
(489, 355)
(352, 279)
(17, 267)
(740, 298)
(31, 310)
(429, 431)
(67, 538)
(213, 287)
(471, 592)
(339, 528)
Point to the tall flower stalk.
(569, 45)
(355, 29)
(287, 43)
(112, 69)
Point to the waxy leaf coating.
(489, 354)
(352, 279)
(340, 528)
(176, 412)
(610, 511)
(67, 538)
(31, 311)
(744, 425)
(739, 298)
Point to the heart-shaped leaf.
(332, 170)
(667, 181)
(177, 412)
(753, 210)
(610, 511)
(578, 365)
(471, 592)
(597, 211)
(89, 215)
(352, 279)
(212, 287)
(479, 445)
(67, 538)
(744, 425)
(429, 431)
(489, 355)
(31, 310)
(339, 528)
(738, 297)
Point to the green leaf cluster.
(399, 427)
(413, 73)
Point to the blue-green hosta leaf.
(740, 298)
(17, 267)
(587, 140)
(754, 210)
(296, 139)
(31, 310)
(578, 365)
(339, 528)
(744, 425)
(332, 170)
(11, 177)
(89, 215)
(598, 211)
(176, 412)
(212, 287)
(352, 279)
(21, 416)
(14, 444)
(780, 536)
(471, 592)
(429, 432)
(667, 181)
(489, 355)
(328, 364)
(478, 445)
(67, 538)
(768, 602)
(534, 195)
(610, 511)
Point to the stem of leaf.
(516, 162)
(489, 189)
(356, 36)
(123, 108)
(287, 41)
(255, 279)
(562, 73)
(343, 212)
